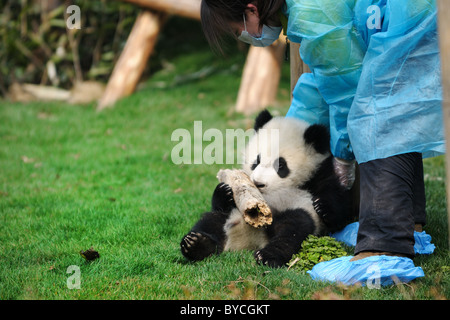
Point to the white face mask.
(268, 36)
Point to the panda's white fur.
(280, 137)
(241, 236)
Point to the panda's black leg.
(286, 235)
(197, 246)
(207, 237)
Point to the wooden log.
(247, 197)
(184, 8)
(298, 67)
(444, 43)
(132, 61)
(260, 77)
(33, 92)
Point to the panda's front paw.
(265, 257)
(321, 209)
(197, 246)
(223, 200)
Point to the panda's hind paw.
(197, 246)
(265, 258)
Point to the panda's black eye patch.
(256, 163)
(281, 167)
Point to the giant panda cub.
(291, 164)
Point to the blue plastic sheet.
(349, 234)
(373, 272)
(378, 88)
(423, 243)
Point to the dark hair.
(217, 15)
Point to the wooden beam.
(184, 8)
(297, 65)
(128, 69)
(260, 77)
(444, 42)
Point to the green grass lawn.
(72, 178)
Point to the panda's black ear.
(262, 118)
(318, 136)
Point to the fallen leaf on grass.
(25, 159)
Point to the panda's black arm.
(334, 211)
(331, 201)
(222, 199)
(286, 235)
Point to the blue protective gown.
(375, 78)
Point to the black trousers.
(392, 200)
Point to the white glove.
(345, 170)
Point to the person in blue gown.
(375, 82)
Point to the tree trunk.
(132, 61)
(260, 78)
(184, 8)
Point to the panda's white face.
(278, 159)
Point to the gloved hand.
(345, 170)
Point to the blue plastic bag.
(423, 243)
(349, 234)
(372, 272)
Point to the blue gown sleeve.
(307, 103)
(333, 49)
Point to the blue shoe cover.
(373, 272)
(348, 235)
